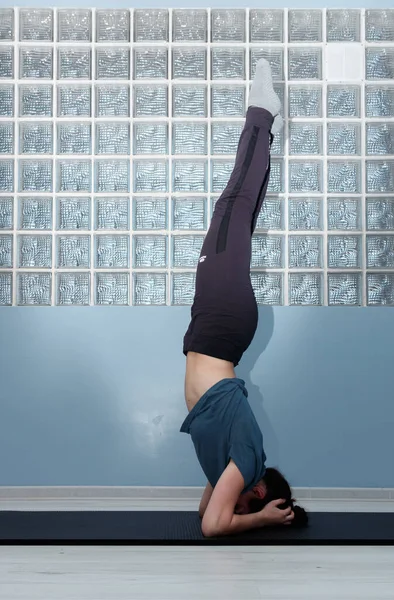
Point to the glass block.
(228, 63)
(276, 181)
(305, 251)
(305, 289)
(150, 138)
(112, 101)
(344, 289)
(6, 212)
(73, 213)
(189, 138)
(5, 251)
(380, 176)
(6, 62)
(6, 24)
(74, 25)
(73, 289)
(271, 215)
(305, 101)
(186, 250)
(266, 25)
(343, 101)
(150, 289)
(34, 289)
(74, 176)
(35, 138)
(228, 101)
(74, 138)
(305, 63)
(6, 175)
(189, 25)
(112, 63)
(35, 176)
(74, 101)
(150, 100)
(344, 251)
(36, 24)
(150, 175)
(344, 177)
(343, 25)
(151, 24)
(278, 144)
(380, 213)
(6, 137)
(6, 100)
(189, 176)
(35, 100)
(189, 63)
(150, 63)
(380, 138)
(150, 213)
(268, 288)
(228, 25)
(305, 138)
(189, 213)
(73, 251)
(379, 101)
(344, 213)
(343, 139)
(112, 138)
(183, 287)
(74, 63)
(35, 63)
(275, 58)
(225, 137)
(35, 251)
(305, 176)
(220, 174)
(112, 175)
(380, 289)
(379, 25)
(149, 251)
(305, 214)
(267, 251)
(379, 63)
(113, 25)
(189, 101)
(5, 289)
(35, 213)
(305, 26)
(112, 213)
(380, 251)
(112, 289)
(112, 251)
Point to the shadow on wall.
(256, 398)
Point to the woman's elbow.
(212, 528)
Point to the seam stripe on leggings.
(224, 225)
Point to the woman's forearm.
(237, 524)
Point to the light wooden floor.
(187, 573)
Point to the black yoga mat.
(184, 528)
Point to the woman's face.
(242, 506)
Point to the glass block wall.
(118, 131)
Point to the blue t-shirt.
(223, 427)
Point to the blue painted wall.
(94, 396)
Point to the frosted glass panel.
(119, 129)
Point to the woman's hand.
(272, 515)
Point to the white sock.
(277, 125)
(262, 93)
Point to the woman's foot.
(263, 95)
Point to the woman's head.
(274, 486)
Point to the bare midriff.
(202, 372)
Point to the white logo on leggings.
(202, 259)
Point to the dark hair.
(278, 487)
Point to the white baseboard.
(173, 493)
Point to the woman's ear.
(260, 491)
